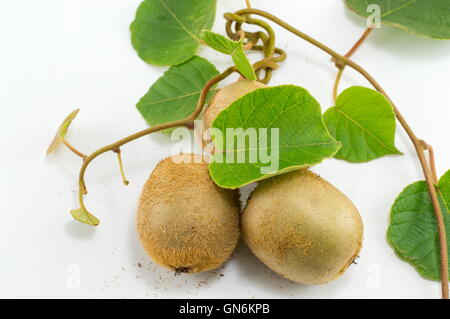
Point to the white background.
(58, 55)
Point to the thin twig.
(122, 171)
(348, 55)
(359, 42)
(432, 160)
(241, 34)
(336, 84)
(418, 145)
(433, 163)
(73, 149)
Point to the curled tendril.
(272, 55)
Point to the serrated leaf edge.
(420, 269)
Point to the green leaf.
(268, 132)
(444, 188)
(219, 42)
(62, 131)
(166, 32)
(428, 18)
(234, 48)
(83, 216)
(174, 96)
(413, 231)
(364, 121)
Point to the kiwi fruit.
(224, 98)
(302, 227)
(184, 220)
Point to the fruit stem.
(73, 149)
(116, 146)
(418, 144)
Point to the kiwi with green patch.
(184, 220)
(302, 227)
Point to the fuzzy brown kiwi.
(302, 227)
(184, 220)
(225, 97)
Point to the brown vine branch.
(432, 160)
(348, 55)
(73, 149)
(359, 42)
(188, 121)
(336, 83)
(249, 45)
(241, 35)
(418, 145)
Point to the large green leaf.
(413, 231)
(234, 48)
(174, 95)
(165, 32)
(429, 18)
(364, 121)
(298, 129)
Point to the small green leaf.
(166, 32)
(413, 231)
(428, 18)
(84, 217)
(233, 48)
(174, 96)
(268, 132)
(243, 64)
(219, 42)
(62, 131)
(364, 121)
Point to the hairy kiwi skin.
(302, 227)
(226, 96)
(184, 220)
